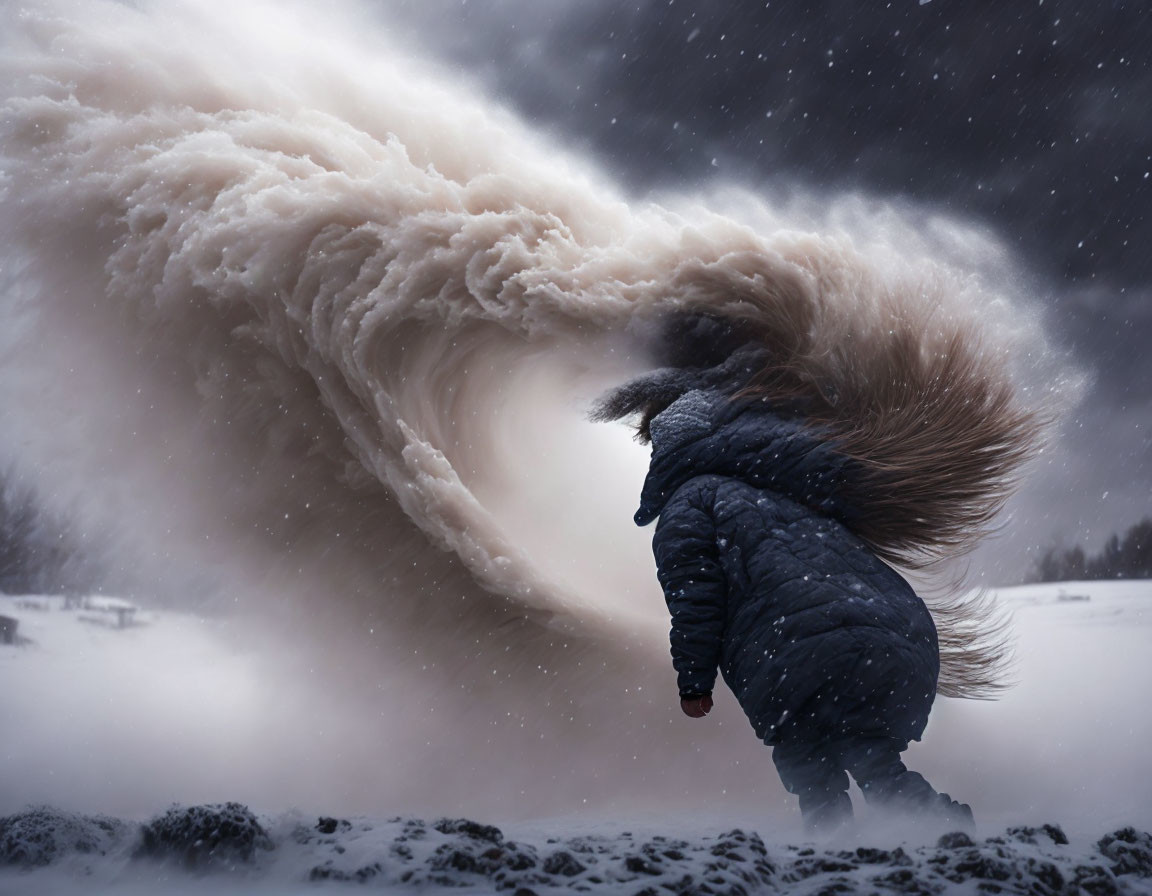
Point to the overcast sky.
(1030, 119)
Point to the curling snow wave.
(268, 281)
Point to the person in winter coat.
(766, 548)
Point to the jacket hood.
(704, 432)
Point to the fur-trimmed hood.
(704, 432)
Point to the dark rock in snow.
(451, 858)
(1056, 833)
(640, 865)
(414, 830)
(973, 863)
(360, 875)
(205, 836)
(469, 856)
(1046, 877)
(1129, 850)
(581, 845)
(954, 840)
(517, 857)
(563, 863)
(808, 867)
(411, 855)
(41, 835)
(469, 828)
(330, 825)
(905, 880)
(1026, 834)
(872, 856)
(1096, 880)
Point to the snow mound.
(227, 844)
(205, 836)
(1129, 850)
(41, 835)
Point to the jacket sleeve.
(689, 570)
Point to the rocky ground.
(43, 849)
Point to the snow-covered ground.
(101, 719)
(225, 849)
(1070, 741)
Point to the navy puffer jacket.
(815, 635)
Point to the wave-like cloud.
(287, 311)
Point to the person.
(768, 550)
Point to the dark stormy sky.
(1031, 119)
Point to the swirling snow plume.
(296, 322)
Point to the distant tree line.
(34, 549)
(1122, 557)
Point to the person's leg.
(814, 773)
(885, 780)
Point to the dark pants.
(818, 774)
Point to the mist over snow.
(84, 729)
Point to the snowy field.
(95, 718)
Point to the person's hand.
(696, 707)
